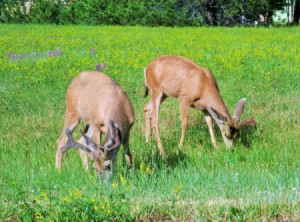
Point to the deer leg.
(89, 131)
(127, 150)
(148, 112)
(157, 99)
(96, 135)
(209, 123)
(70, 123)
(184, 120)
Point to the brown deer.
(195, 87)
(106, 109)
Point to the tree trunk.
(297, 12)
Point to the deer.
(106, 109)
(194, 86)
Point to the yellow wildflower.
(108, 207)
(38, 216)
(45, 196)
(177, 189)
(142, 166)
(66, 199)
(77, 193)
(115, 186)
(148, 169)
(102, 206)
(37, 200)
(123, 181)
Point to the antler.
(91, 145)
(248, 121)
(72, 143)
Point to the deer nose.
(229, 143)
(101, 177)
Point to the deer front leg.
(209, 123)
(70, 123)
(127, 150)
(184, 120)
(91, 132)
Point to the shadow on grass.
(247, 135)
(174, 157)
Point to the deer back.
(96, 98)
(181, 78)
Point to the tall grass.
(258, 181)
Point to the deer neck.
(218, 104)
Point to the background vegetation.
(142, 12)
(258, 181)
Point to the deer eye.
(102, 150)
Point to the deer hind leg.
(157, 99)
(148, 112)
(71, 122)
(184, 120)
(209, 123)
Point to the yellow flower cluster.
(104, 206)
(144, 168)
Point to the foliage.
(259, 181)
(13, 12)
(45, 11)
(139, 12)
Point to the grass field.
(259, 181)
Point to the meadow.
(259, 181)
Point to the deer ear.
(219, 118)
(248, 121)
(239, 109)
(89, 142)
(114, 136)
(118, 137)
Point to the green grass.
(258, 181)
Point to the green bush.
(13, 12)
(138, 12)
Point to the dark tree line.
(297, 12)
(142, 12)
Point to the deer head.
(230, 127)
(101, 155)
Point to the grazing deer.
(106, 109)
(195, 87)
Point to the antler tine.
(71, 143)
(69, 134)
(89, 142)
(248, 121)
